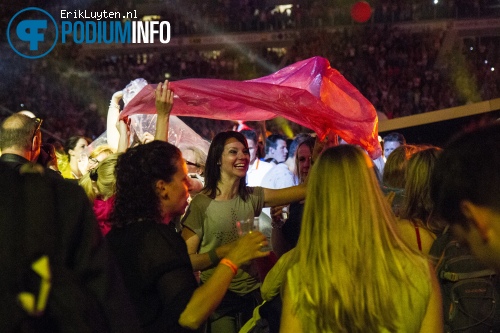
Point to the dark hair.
(259, 145)
(71, 143)
(395, 137)
(468, 169)
(137, 172)
(272, 141)
(212, 168)
(47, 155)
(59, 147)
(250, 135)
(17, 130)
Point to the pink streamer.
(309, 93)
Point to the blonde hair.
(309, 142)
(200, 157)
(101, 149)
(347, 249)
(104, 185)
(395, 167)
(417, 203)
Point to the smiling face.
(235, 159)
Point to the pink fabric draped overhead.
(309, 93)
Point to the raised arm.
(124, 131)
(330, 140)
(112, 132)
(284, 196)
(164, 101)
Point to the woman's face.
(79, 147)
(304, 156)
(174, 195)
(235, 159)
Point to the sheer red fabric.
(309, 93)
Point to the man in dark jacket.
(57, 274)
(21, 142)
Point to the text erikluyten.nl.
(100, 15)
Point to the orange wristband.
(229, 264)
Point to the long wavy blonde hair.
(417, 204)
(348, 250)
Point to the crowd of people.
(201, 17)
(179, 263)
(172, 235)
(136, 234)
(207, 17)
(401, 71)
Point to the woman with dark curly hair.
(152, 187)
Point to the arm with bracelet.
(208, 296)
(202, 261)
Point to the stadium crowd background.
(401, 70)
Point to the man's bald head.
(27, 113)
(17, 132)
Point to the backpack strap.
(419, 241)
(452, 276)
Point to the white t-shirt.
(278, 177)
(257, 171)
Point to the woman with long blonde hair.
(351, 272)
(417, 225)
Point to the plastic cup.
(247, 226)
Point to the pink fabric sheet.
(309, 93)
